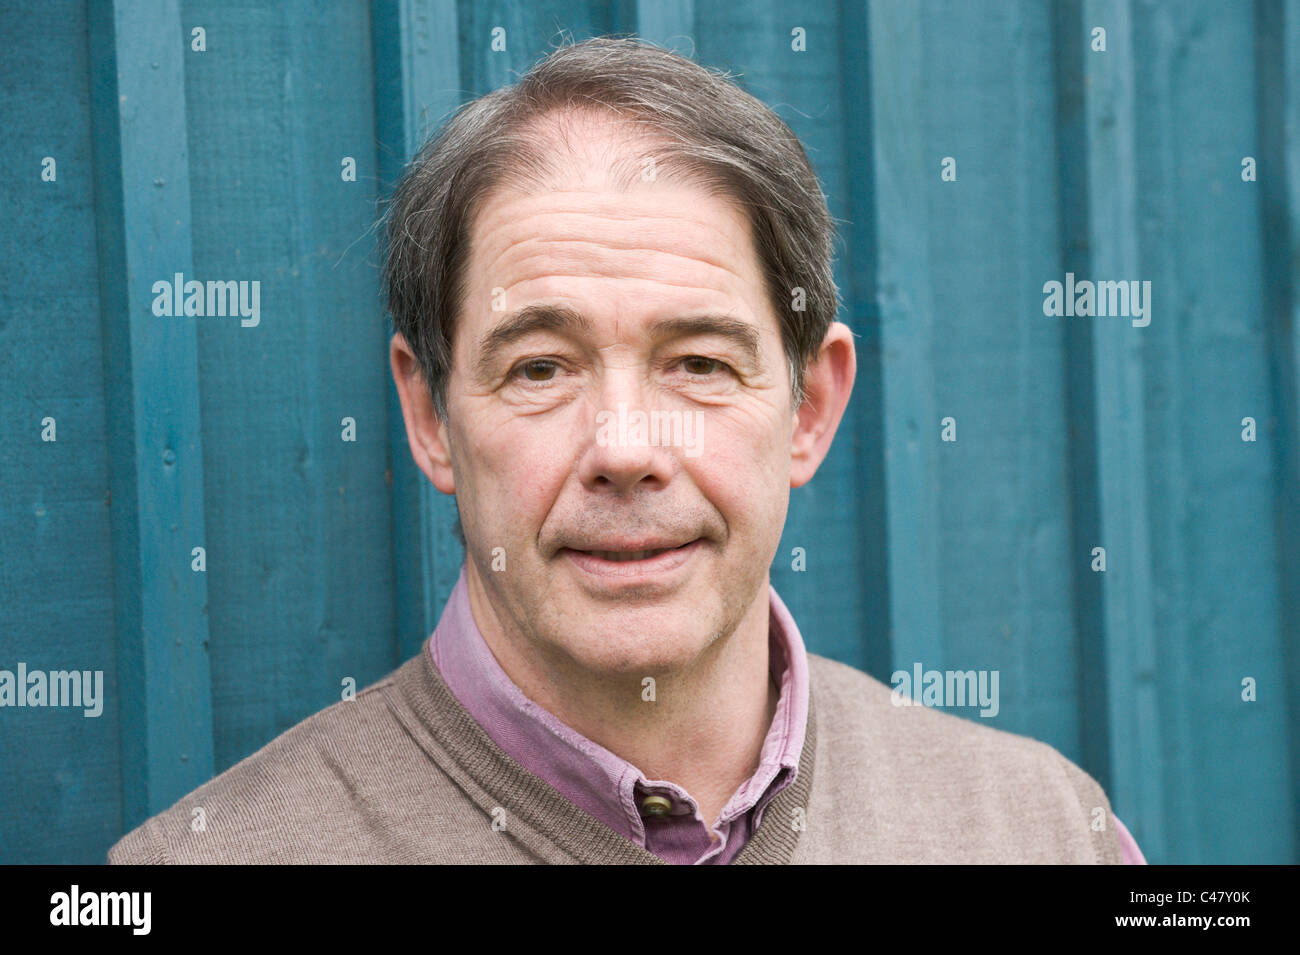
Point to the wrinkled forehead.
(597, 186)
(671, 231)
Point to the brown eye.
(538, 370)
(699, 365)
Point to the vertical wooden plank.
(417, 87)
(1118, 392)
(1072, 144)
(911, 425)
(60, 785)
(861, 312)
(1277, 30)
(155, 450)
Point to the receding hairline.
(632, 139)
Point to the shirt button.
(656, 806)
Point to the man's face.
(647, 302)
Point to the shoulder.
(856, 710)
(292, 799)
(941, 782)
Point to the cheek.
(744, 469)
(514, 468)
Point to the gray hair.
(704, 127)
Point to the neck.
(704, 728)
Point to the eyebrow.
(562, 318)
(741, 334)
(529, 319)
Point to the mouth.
(625, 562)
(621, 556)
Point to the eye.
(701, 366)
(535, 369)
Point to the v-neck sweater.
(403, 773)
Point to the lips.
(640, 548)
(641, 560)
(617, 555)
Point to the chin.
(622, 647)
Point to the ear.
(425, 432)
(827, 386)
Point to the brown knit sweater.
(403, 774)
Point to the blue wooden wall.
(328, 559)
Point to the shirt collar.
(587, 774)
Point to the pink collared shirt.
(612, 789)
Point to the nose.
(622, 454)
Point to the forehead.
(647, 234)
(608, 207)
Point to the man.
(616, 346)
